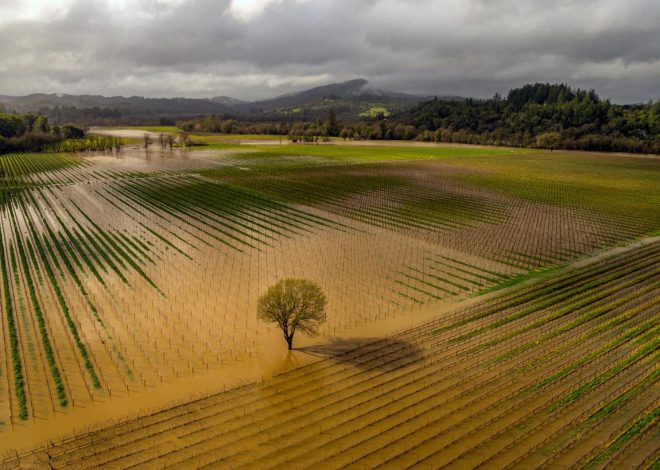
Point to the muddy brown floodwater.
(145, 276)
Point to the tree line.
(31, 132)
(224, 125)
(297, 131)
(539, 115)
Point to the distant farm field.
(486, 306)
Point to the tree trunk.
(290, 342)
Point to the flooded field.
(130, 282)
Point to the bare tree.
(161, 140)
(184, 139)
(147, 140)
(170, 141)
(294, 304)
(117, 144)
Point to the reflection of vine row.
(28, 169)
(117, 249)
(54, 241)
(233, 217)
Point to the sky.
(254, 49)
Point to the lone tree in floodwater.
(294, 304)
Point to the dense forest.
(538, 115)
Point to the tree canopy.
(294, 305)
(30, 132)
(538, 115)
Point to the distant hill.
(353, 97)
(134, 105)
(357, 90)
(228, 101)
(350, 100)
(541, 115)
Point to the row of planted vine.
(532, 377)
(158, 268)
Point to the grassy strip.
(441, 279)
(19, 382)
(647, 349)
(406, 296)
(18, 168)
(58, 292)
(554, 292)
(63, 257)
(590, 315)
(611, 345)
(617, 403)
(144, 246)
(126, 248)
(64, 307)
(78, 240)
(215, 201)
(476, 268)
(33, 257)
(646, 422)
(169, 243)
(41, 322)
(118, 250)
(134, 246)
(75, 240)
(67, 314)
(416, 289)
(76, 243)
(154, 233)
(139, 199)
(183, 205)
(100, 248)
(581, 301)
(464, 271)
(421, 281)
(260, 200)
(441, 268)
(512, 281)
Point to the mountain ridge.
(139, 104)
(350, 100)
(358, 90)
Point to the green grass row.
(561, 287)
(234, 217)
(17, 367)
(41, 321)
(19, 169)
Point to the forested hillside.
(538, 115)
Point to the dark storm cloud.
(256, 48)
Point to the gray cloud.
(204, 48)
